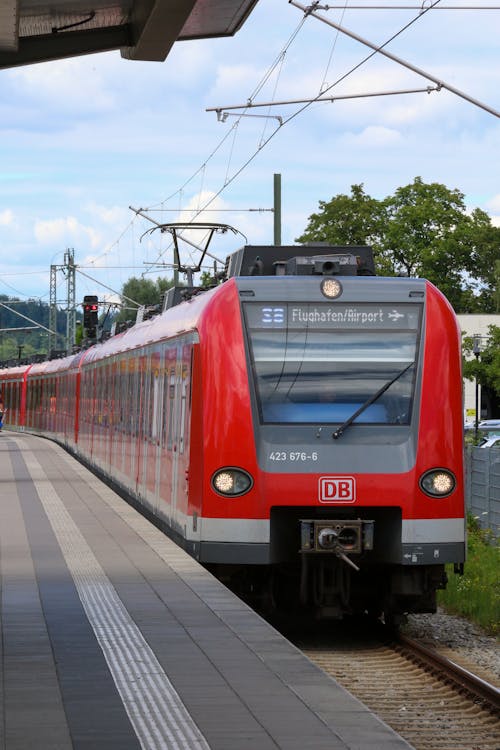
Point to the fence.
(482, 486)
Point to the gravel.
(459, 640)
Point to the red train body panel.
(227, 419)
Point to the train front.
(353, 475)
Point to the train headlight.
(231, 482)
(331, 288)
(438, 482)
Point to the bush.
(476, 594)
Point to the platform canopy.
(34, 31)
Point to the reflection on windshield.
(308, 375)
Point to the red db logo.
(337, 490)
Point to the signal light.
(90, 313)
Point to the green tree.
(79, 333)
(143, 292)
(485, 263)
(355, 219)
(422, 230)
(426, 235)
(32, 341)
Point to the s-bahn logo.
(337, 490)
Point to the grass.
(476, 594)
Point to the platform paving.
(113, 637)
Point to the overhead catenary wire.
(233, 131)
(440, 84)
(264, 143)
(379, 49)
(334, 45)
(254, 93)
(105, 286)
(228, 180)
(412, 7)
(312, 101)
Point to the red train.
(298, 428)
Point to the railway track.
(430, 701)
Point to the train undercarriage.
(329, 568)
(325, 587)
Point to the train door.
(174, 429)
(140, 447)
(168, 362)
(157, 431)
(152, 425)
(179, 463)
(124, 421)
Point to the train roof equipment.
(268, 260)
(301, 260)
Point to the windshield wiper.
(338, 432)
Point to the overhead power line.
(311, 11)
(423, 8)
(411, 7)
(37, 325)
(305, 106)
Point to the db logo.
(337, 490)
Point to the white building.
(475, 325)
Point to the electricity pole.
(68, 269)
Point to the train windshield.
(318, 363)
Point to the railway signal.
(90, 314)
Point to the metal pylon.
(69, 261)
(68, 268)
(53, 309)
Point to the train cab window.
(320, 363)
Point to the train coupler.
(337, 537)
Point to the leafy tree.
(485, 262)
(143, 292)
(79, 333)
(25, 341)
(422, 230)
(354, 219)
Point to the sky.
(84, 139)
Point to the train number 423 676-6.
(293, 456)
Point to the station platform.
(113, 637)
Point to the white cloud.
(494, 203)
(6, 217)
(112, 215)
(373, 136)
(65, 231)
(234, 80)
(70, 84)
